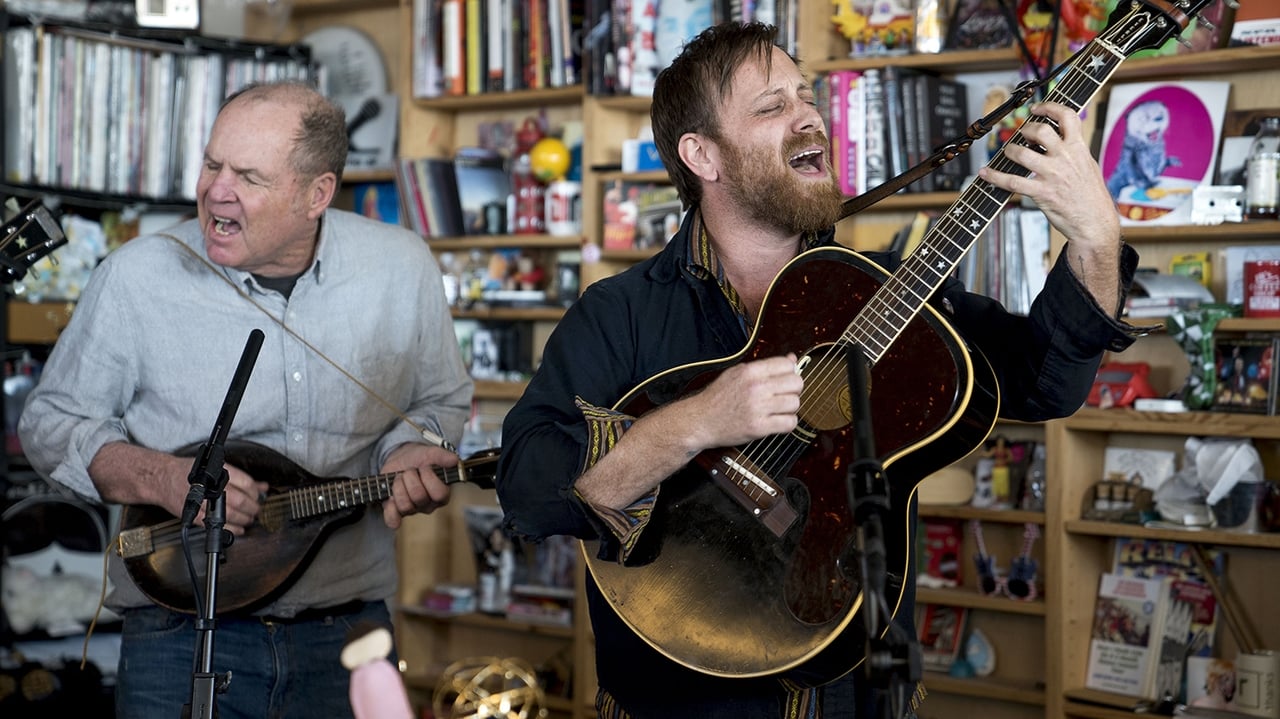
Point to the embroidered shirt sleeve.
(605, 427)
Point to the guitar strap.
(426, 434)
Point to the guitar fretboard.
(902, 296)
(311, 501)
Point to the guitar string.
(832, 363)
(863, 323)
(279, 506)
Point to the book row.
(627, 42)
(884, 121)
(1008, 262)
(100, 113)
(469, 47)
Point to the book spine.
(948, 117)
(876, 153)
(855, 145)
(619, 25)
(895, 143)
(533, 74)
(644, 50)
(20, 97)
(427, 80)
(910, 125)
(474, 62)
(495, 45)
(924, 89)
(454, 66)
(555, 44)
(835, 87)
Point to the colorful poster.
(1160, 142)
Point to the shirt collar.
(702, 262)
(323, 250)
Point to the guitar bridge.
(755, 490)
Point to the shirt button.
(297, 376)
(297, 436)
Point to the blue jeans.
(285, 670)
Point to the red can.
(1262, 288)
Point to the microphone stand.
(208, 480)
(893, 660)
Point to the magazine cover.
(1137, 557)
(1160, 142)
(377, 201)
(942, 631)
(1127, 630)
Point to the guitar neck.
(314, 500)
(902, 296)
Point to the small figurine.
(377, 690)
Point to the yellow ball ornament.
(549, 159)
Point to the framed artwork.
(1246, 376)
(1160, 142)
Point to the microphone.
(208, 477)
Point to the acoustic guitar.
(749, 565)
(299, 513)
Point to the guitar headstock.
(481, 468)
(26, 238)
(1147, 24)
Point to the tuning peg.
(1206, 24)
(1183, 42)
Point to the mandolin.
(299, 513)
(30, 235)
(749, 564)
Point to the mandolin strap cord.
(102, 600)
(426, 434)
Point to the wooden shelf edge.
(953, 61)
(1094, 711)
(1259, 540)
(485, 242)
(630, 256)
(1230, 59)
(655, 176)
(570, 95)
(962, 597)
(307, 7)
(527, 314)
(490, 389)
(374, 175)
(625, 103)
(1001, 516)
(1248, 232)
(1248, 324)
(1201, 424)
(985, 688)
(958, 61)
(487, 621)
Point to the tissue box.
(640, 156)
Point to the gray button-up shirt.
(157, 335)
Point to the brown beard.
(771, 193)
